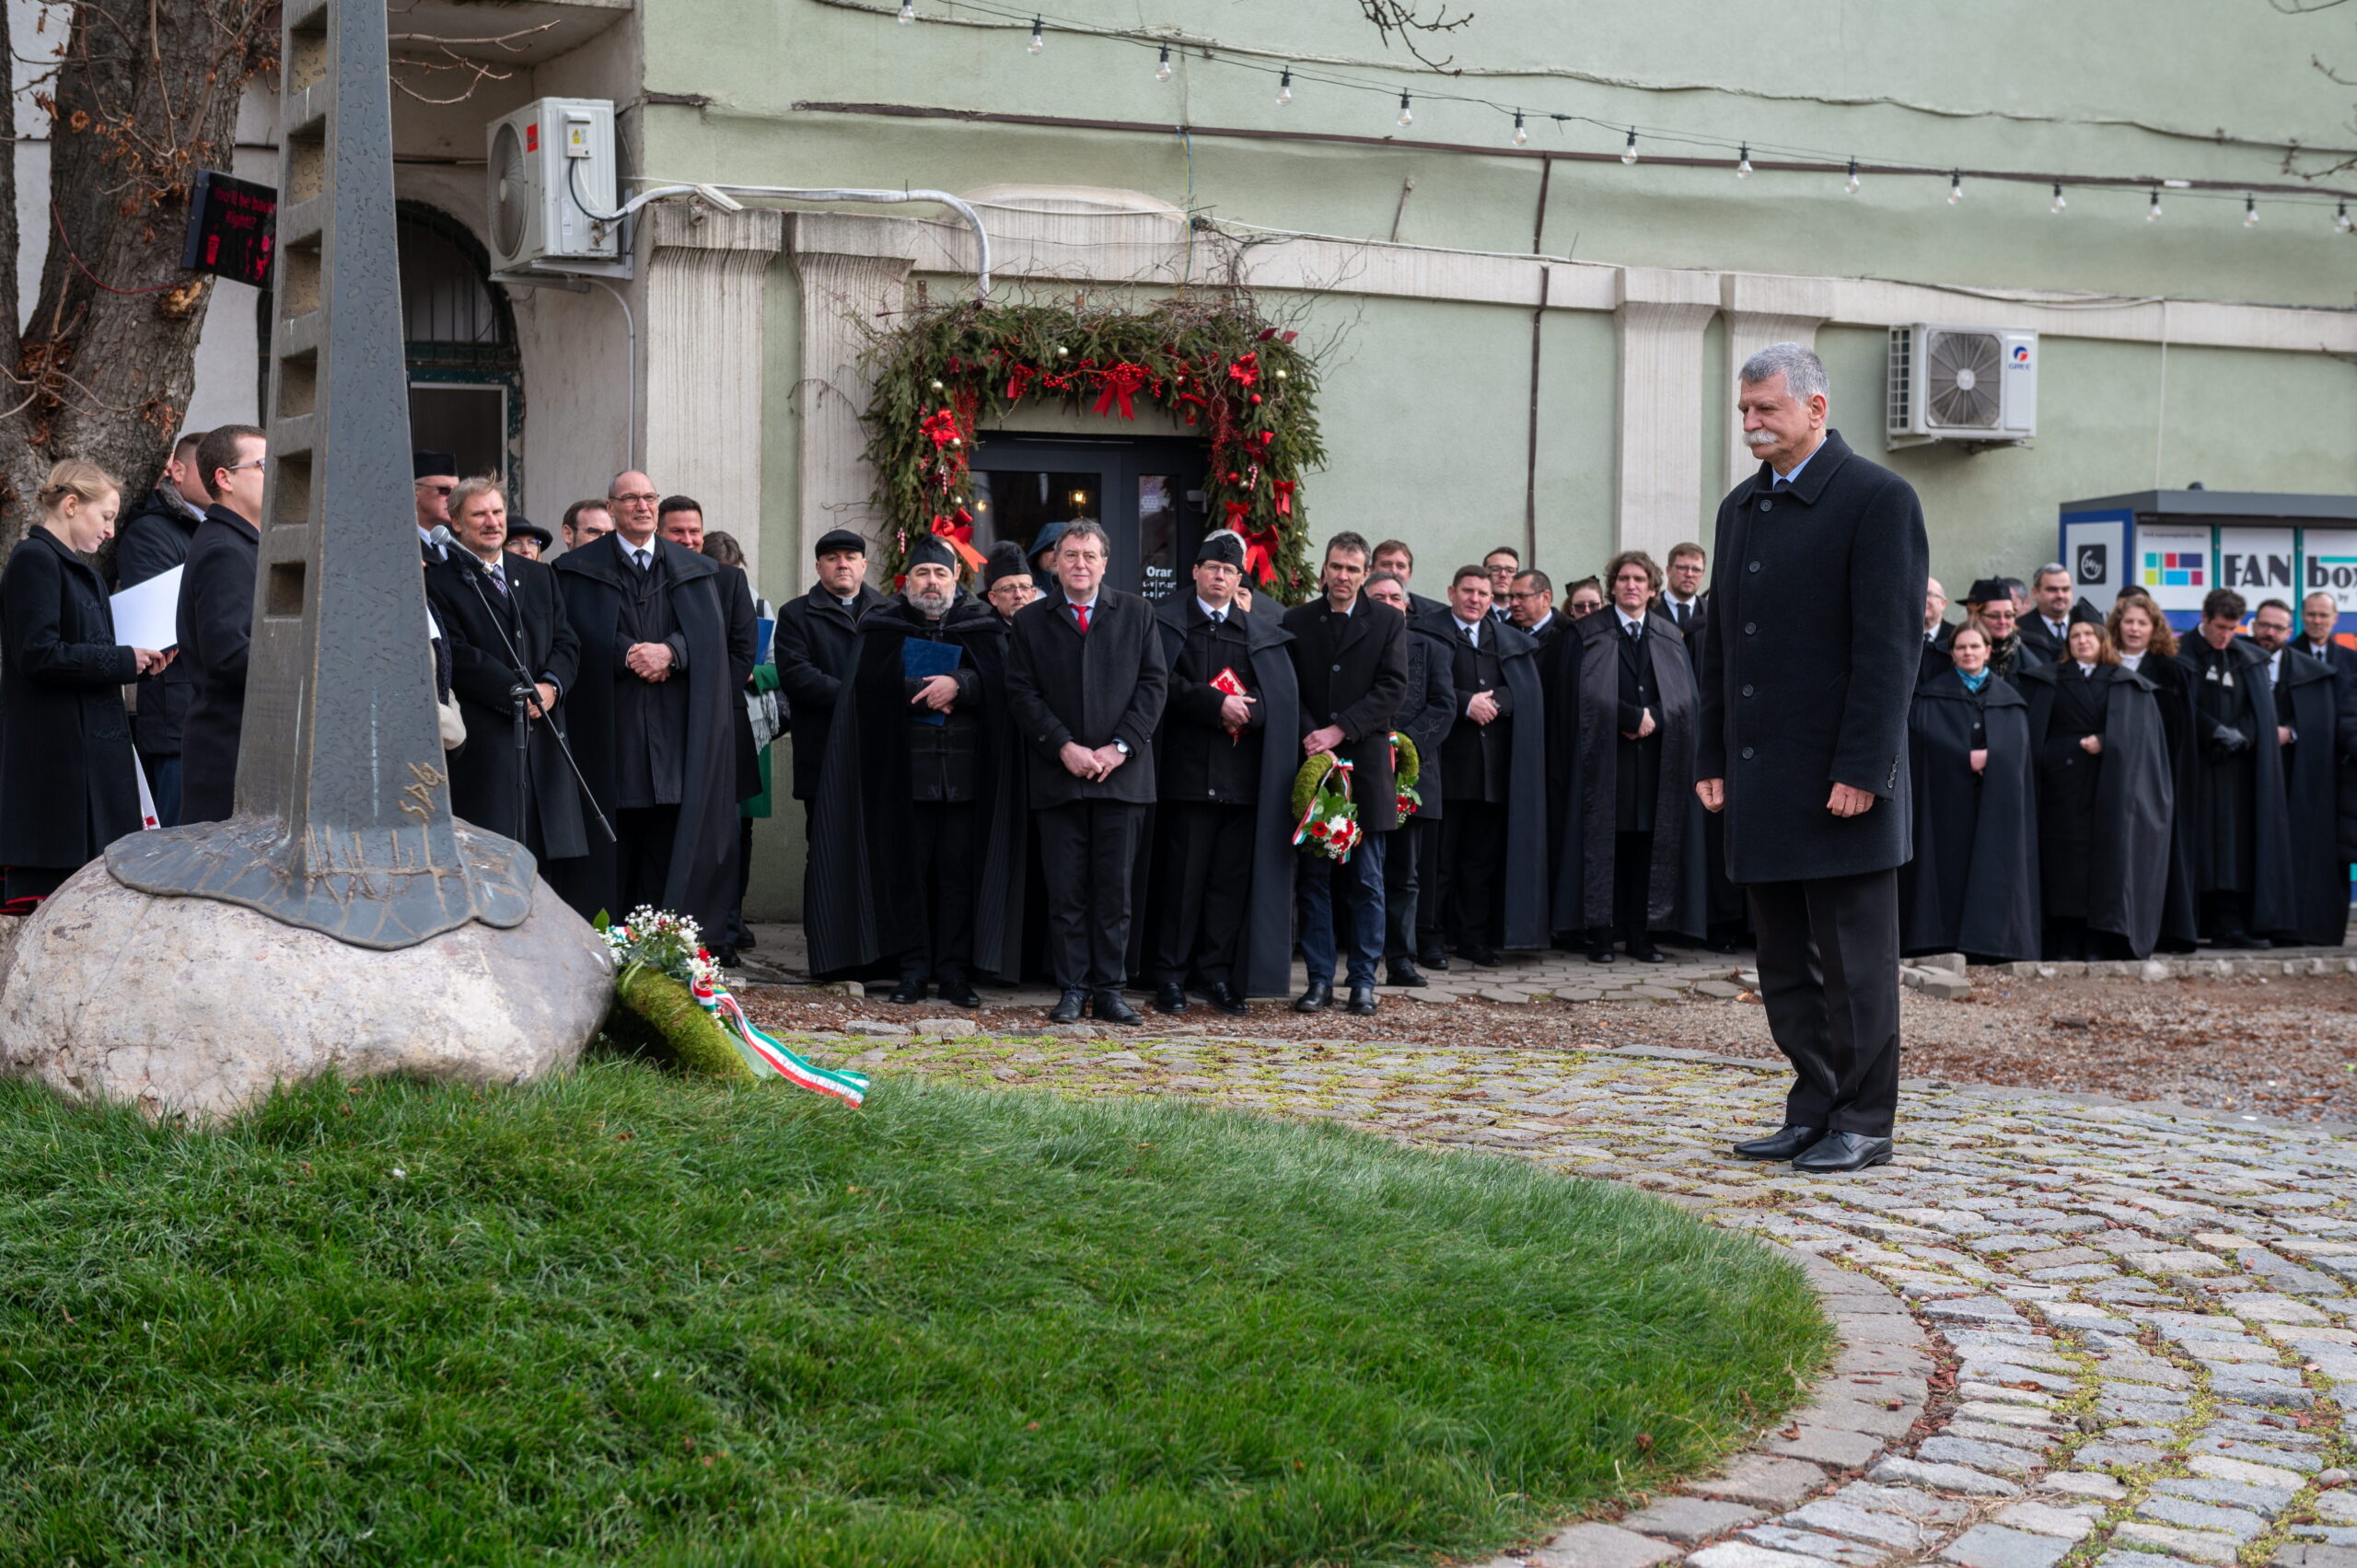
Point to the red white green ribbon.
(767, 1057)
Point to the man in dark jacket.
(1411, 863)
(812, 649)
(1393, 557)
(1493, 770)
(1992, 603)
(653, 718)
(2233, 812)
(1220, 900)
(2310, 697)
(2319, 619)
(1803, 745)
(1087, 679)
(151, 542)
(2044, 625)
(1680, 600)
(922, 859)
(1351, 659)
(506, 626)
(216, 620)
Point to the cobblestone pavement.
(2072, 1328)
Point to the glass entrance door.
(1146, 493)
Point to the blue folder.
(920, 659)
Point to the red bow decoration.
(959, 529)
(1018, 381)
(942, 427)
(1268, 332)
(1284, 489)
(1246, 371)
(1120, 383)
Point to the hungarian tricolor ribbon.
(767, 1057)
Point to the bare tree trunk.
(145, 96)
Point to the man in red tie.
(1085, 679)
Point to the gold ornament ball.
(1280, 375)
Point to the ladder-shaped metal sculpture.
(343, 821)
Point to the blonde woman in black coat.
(67, 784)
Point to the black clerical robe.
(1972, 886)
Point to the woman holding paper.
(71, 779)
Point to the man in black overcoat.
(2320, 619)
(653, 719)
(153, 541)
(2237, 824)
(216, 620)
(1087, 679)
(1410, 861)
(1393, 557)
(1803, 746)
(2309, 723)
(1349, 657)
(1493, 844)
(434, 478)
(1681, 601)
(1219, 906)
(922, 861)
(504, 618)
(813, 637)
(2044, 625)
(1937, 632)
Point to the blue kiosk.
(2179, 544)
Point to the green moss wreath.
(1206, 356)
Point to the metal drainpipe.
(630, 379)
(1537, 327)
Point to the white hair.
(1804, 373)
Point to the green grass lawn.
(629, 1317)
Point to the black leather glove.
(2227, 741)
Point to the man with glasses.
(1991, 605)
(217, 619)
(437, 476)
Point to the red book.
(1226, 683)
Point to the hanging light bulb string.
(1792, 159)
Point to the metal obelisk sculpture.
(342, 821)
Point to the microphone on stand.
(446, 541)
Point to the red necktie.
(1081, 611)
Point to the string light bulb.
(2251, 212)
(908, 12)
(1039, 37)
(2152, 213)
(1521, 136)
(2341, 224)
(1407, 110)
(1284, 87)
(1743, 162)
(2059, 202)
(1162, 66)
(1850, 184)
(1956, 186)
(1629, 153)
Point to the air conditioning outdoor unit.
(553, 164)
(1961, 384)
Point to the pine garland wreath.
(1208, 357)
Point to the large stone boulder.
(191, 1007)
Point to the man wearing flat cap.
(813, 638)
(1219, 897)
(921, 860)
(436, 475)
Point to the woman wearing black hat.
(1996, 610)
(1973, 886)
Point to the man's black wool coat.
(482, 772)
(813, 639)
(1352, 671)
(1091, 688)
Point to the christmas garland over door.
(1208, 359)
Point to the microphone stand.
(521, 696)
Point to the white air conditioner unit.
(1961, 384)
(553, 164)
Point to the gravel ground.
(2278, 1046)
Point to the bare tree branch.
(1400, 18)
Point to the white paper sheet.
(148, 616)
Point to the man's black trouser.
(1828, 974)
(1472, 860)
(1202, 880)
(1632, 886)
(1407, 872)
(1088, 852)
(942, 854)
(647, 835)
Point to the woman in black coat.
(2148, 646)
(65, 753)
(1973, 884)
(2105, 795)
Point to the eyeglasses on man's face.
(442, 489)
(638, 498)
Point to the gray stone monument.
(341, 917)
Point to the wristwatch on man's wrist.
(1122, 746)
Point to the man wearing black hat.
(1086, 681)
(922, 858)
(1007, 582)
(1221, 891)
(436, 475)
(813, 640)
(1992, 603)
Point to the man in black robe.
(1558, 663)
(1349, 658)
(1425, 718)
(1493, 770)
(217, 619)
(504, 617)
(1992, 603)
(1220, 913)
(2319, 621)
(922, 858)
(812, 647)
(2309, 722)
(1803, 744)
(653, 718)
(1937, 632)
(2238, 832)
(1681, 601)
(153, 541)
(2045, 625)
(1086, 681)
(436, 479)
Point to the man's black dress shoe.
(1648, 954)
(1110, 1009)
(1405, 973)
(1362, 1001)
(1315, 998)
(1600, 952)
(962, 993)
(1224, 999)
(908, 990)
(1432, 958)
(2240, 941)
(1843, 1150)
(1781, 1145)
(1479, 955)
(1068, 1005)
(727, 956)
(1170, 997)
